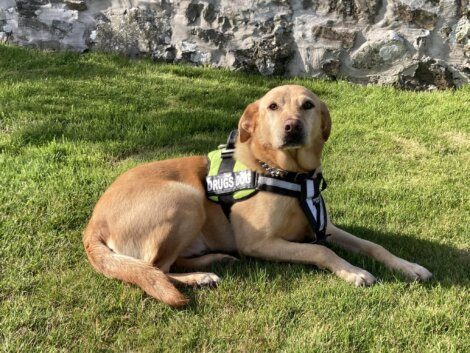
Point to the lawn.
(398, 167)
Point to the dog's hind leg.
(128, 269)
(200, 262)
(141, 235)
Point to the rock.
(135, 32)
(461, 32)
(272, 53)
(7, 29)
(426, 75)
(344, 37)
(193, 12)
(165, 55)
(375, 54)
(76, 5)
(307, 4)
(61, 28)
(331, 67)
(416, 16)
(209, 13)
(211, 36)
(3, 37)
(352, 9)
(93, 35)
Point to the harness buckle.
(227, 153)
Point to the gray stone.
(164, 55)
(3, 37)
(209, 13)
(211, 36)
(61, 27)
(416, 16)
(331, 67)
(461, 32)
(427, 75)
(7, 29)
(188, 47)
(345, 37)
(193, 12)
(76, 5)
(352, 9)
(376, 54)
(307, 4)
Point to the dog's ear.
(325, 121)
(247, 121)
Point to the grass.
(398, 169)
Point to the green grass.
(398, 170)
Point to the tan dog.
(156, 215)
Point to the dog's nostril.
(293, 126)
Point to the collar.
(283, 174)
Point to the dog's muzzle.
(293, 133)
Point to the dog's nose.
(293, 126)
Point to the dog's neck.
(300, 160)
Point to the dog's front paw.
(414, 271)
(357, 276)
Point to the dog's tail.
(128, 269)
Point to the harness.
(229, 181)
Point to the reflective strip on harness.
(263, 180)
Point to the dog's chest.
(282, 217)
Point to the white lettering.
(228, 182)
(243, 178)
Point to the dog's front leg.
(278, 249)
(377, 252)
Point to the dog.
(156, 216)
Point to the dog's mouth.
(293, 140)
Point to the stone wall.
(416, 44)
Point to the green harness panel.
(238, 182)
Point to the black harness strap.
(228, 162)
(313, 206)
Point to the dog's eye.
(308, 105)
(273, 106)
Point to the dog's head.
(289, 122)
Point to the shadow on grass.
(449, 265)
(24, 63)
(21, 64)
(127, 110)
